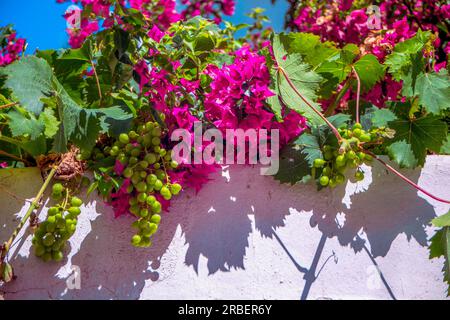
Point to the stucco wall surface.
(245, 236)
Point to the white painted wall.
(248, 238)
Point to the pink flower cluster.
(238, 94)
(11, 50)
(160, 14)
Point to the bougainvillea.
(11, 47)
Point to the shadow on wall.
(217, 226)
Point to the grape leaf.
(423, 134)
(401, 153)
(381, 117)
(294, 167)
(440, 245)
(302, 78)
(445, 149)
(21, 125)
(369, 70)
(310, 147)
(50, 122)
(30, 79)
(433, 90)
(313, 51)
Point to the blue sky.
(42, 24)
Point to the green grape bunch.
(351, 153)
(147, 165)
(52, 235)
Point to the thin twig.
(405, 178)
(9, 155)
(9, 105)
(333, 128)
(358, 94)
(97, 80)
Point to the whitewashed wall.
(244, 236)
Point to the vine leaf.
(369, 70)
(427, 133)
(294, 167)
(433, 90)
(30, 79)
(381, 117)
(401, 153)
(445, 149)
(304, 80)
(21, 125)
(440, 244)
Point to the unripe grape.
(340, 179)
(51, 219)
(142, 197)
(135, 152)
(163, 152)
(129, 147)
(39, 250)
(136, 240)
(156, 219)
(76, 202)
(156, 207)
(158, 185)
(114, 151)
(135, 209)
(351, 155)
(357, 126)
(143, 174)
(141, 129)
(157, 132)
(175, 188)
(165, 192)
(327, 171)
(357, 132)
(368, 157)
(151, 200)
(48, 240)
(58, 188)
(149, 126)
(157, 149)
(133, 201)
(332, 183)
(156, 141)
(150, 158)
(74, 210)
(340, 160)
(365, 138)
(53, 211)
(144, 164)
(157, 166)
(147, 140)
(128, 173)
(123, 138)
(133, 161)
(328, 155)
(359, 175)
(144, 213)
(141, 187)
(174, 164)
(319, 163)
(51, 227)
(57, 256)
(324, 181)
(160, 174)
(133, 135)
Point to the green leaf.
(294, 167)
(30, 79)
(440, 246)
(442, 221)
(313, 51)
(381, 117)
(302, 78)
(51, 123)
(424, 134)
(433, 90)
(21, 125)
(369, 70)
(445, 149)
(310, 147)
(401, 153)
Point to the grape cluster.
(146, 165)
(349, 154)
(52, 234)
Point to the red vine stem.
(405, 178)
(358, 94)
(333, 128)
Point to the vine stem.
(9, 105)
(332, 127)
(33, 206)
(405, 178)
(4, 153)
(97, 80)
(358, 94)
